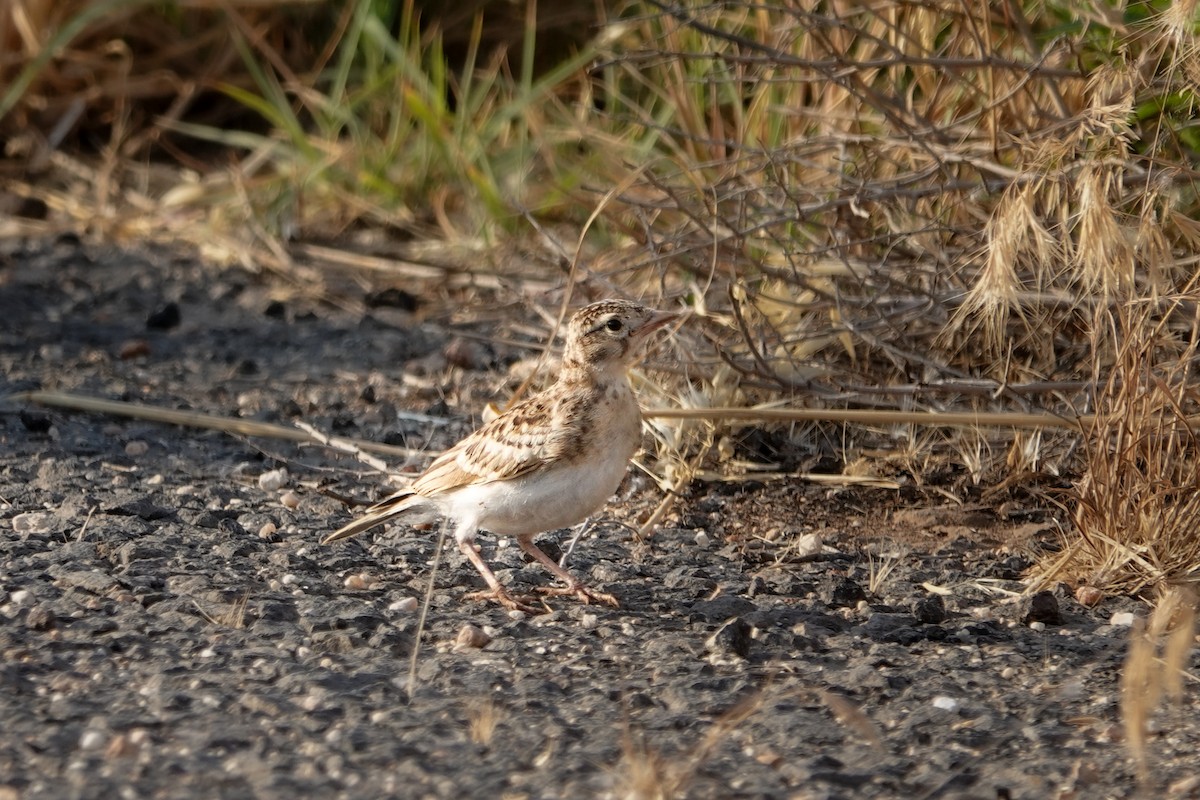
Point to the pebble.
(702, 539)
(273, 480)
(1041, 607)
(808, 545)
(91, 740)
(1088, 596)
(290, 499)
(1037, 626)
(32, 522)
(516, 614)
(730, 641)
(405, 605)
(136, 448)
(471, 637)
(20, 597)
(1122, 619)
(289, 579)
(945, 703)
(357, 581)
(267, 531)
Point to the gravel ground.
(169, 626)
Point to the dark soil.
(170, 627)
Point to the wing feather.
(527, 438)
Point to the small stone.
(730, 640)
(930, 610)
(471, 637)
(588, 621)
(133, 348)
(273, 480)
(357, 582)
(136, 448)
(165, 318)
(1041, 607)
(32, 522)
(806, 546)
(405, 605)
(21, 597)
(516, 614)
(290, 499)
(35, 421)
(1037, 626)
(91, 740)
(268, 530)
(847, 594)
(1088, 596)
(155, 480)
(702, 539)
(945, 703)
(290, 579)
(1008, 673)
(1121, 619)
(40, 618)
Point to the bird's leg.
(496, 591)
(573, 585)
(582, 528)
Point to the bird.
(548, 462)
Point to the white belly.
(562, 496)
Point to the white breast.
(565, 494)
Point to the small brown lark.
(548, 462)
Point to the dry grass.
(1136, 507)
(1159, 653)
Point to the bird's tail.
(381, 512)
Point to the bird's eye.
(613, 324)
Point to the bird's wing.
(529, 437)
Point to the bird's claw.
(585, 594)
(505, 599)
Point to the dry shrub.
(913, 206)
(1136, 508)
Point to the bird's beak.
(655, 322)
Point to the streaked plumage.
(549, 461)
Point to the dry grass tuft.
(644, 773)
(1137, 505)
(1155, 668)
(482, 719)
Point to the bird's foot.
(586, 594)
(510, 602)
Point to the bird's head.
(610, 333)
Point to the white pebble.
(275, 479)
(155, 480)
(945, 703)
(588, 621)
(516, 614)
(136, 448)
(702, 539)
(32, 522)
(207, 652)
(91, 740)
(290, 499)
(290, 579)
(1037, 626)
(1122, 619)
(405, 605)
(20, 597)
(1008, 672)
(807, 546)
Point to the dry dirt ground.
(170, 627)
